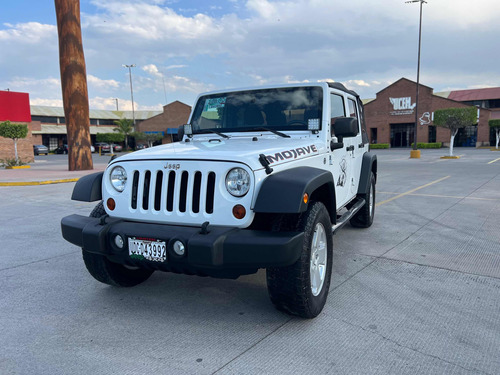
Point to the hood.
(278, 150)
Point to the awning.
(155, 132)
(172, 130)
(61, 129)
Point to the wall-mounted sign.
(402, 106)
(425, 119)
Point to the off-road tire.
(107, 272)
(290, 287)
(364, 217)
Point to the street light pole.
(116, 99)
(131, 89)
(416, 153)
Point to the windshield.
(293, 108)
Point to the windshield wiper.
(204, 131)
(274, 131)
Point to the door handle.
(361, 145)
(350, 148)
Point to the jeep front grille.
(172, 191)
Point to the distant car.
(141, 146)
(61, 149)
(40, 149)
(117, 148)
(105, 147)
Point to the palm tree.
(74, 84)
(125, 127)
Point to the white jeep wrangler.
(261, 178)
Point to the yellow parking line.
(412, 191)
(441, 196)
(31, 183)
(491, 162)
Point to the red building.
(15, 107)
(390, 117)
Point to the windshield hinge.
(265, 163)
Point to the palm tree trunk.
(74, 84)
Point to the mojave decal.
(295, 153)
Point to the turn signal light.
(306, 198)
(239, 211)
(111, 204)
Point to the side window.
(337, 108)
(352, 108)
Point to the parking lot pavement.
(48, 169)
(417, 293)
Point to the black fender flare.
(283, 192)
(369, 165)
(88, 188)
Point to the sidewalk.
(47, 171)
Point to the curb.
(31, 183)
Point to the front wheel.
(302, 288)
(107, 272)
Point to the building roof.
(443, 94)
(61, 129)
(408, 80)
(475, 94)
(42, 110)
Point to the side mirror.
(346, 127)
(186, 129)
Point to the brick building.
(390, 118)
(49, 123)
(166, 123)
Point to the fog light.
(239, 211)
(111, 204)
(179, 248)
(119, 241)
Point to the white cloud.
(123, 104)
(101, 83)
(46, 102)
(153, 70)
(24, 83)
(29, 33)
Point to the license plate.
(154, 250)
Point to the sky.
(185, 47)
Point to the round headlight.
(118, 178)
(238, 182)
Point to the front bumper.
(222, 252)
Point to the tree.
(109, 137)
(495, 124)
(14, 132)
(455, 119)
(74, 84)
(150, 138)
(125, 127)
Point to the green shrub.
(11, 163)
(110, 137)
(428, 145)
(378, 145)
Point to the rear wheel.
(302, 288)
(364, 217)
(107, 272)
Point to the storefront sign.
(425, 119)
(402, 106)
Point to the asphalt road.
(417, 293)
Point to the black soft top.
(340, 86)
